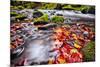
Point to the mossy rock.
(92, 10)
(48, 6)
(71, 7)
(14, 8)
(82, 8)
(13, 14)
(20, 17)
(20, 7)
(30, 5)
(17, 7)
(89, 52)
(85, 9)
(67, 7)
(57, 19)
(41, 17)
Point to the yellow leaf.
(76, 45)
(74, 36)
(73, 51)
(50, 61)
(61, 60)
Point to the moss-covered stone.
(67, 7)
(88, 9)
(76, 7)
(57, 19)
(48, 6)
(20, 17)
(89, 52)
(13, 14)
(14, 8)
(42, 17)
(17, 7)
(31, 5)
(20, 7)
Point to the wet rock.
(68, 21)
(53, 13)
(59, 14)
(37, 14)
(21, 17)
(13, 19)
(91, 10)
(47, 26)
(42, 28)
(84, 11)
(40, 23)
(13, 13)
(17, 52)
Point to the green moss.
(89, 52)
(44, 17)
(17, 7)
(20, 17)
(48, 6)
(14, 7)
(76, 7)
(68, 7)
(88, 9)
(29, 5)
(57, 19)
(20, 7)
(13, 14)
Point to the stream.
(73, 15)
(38, 44)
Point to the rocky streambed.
(37, 45)
(37, 35)
(67, 14)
